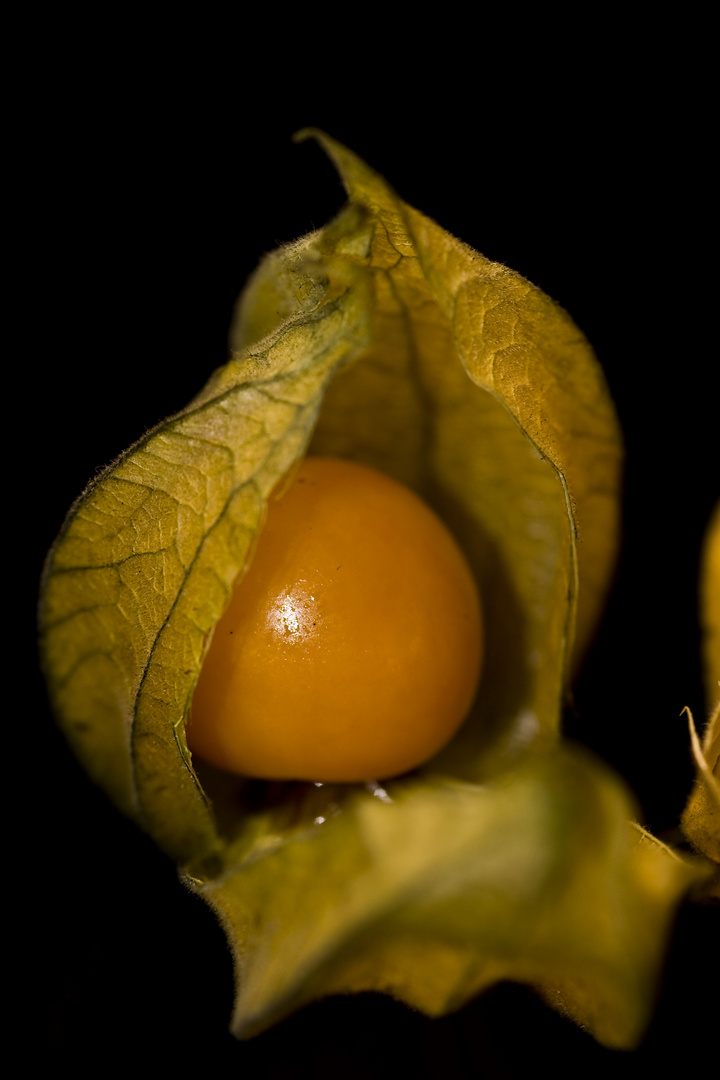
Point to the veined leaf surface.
(146, 560)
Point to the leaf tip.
(303, 134)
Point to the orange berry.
(351, 649)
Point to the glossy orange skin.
(352, 648)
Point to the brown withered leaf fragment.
(701, 817)
(710, 610)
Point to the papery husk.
(382, 339)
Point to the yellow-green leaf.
(437, 890)
(147, 557)
(383, 339)
(487, 399)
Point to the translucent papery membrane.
(441, 888)
(382, 339)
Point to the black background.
(155, 176)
